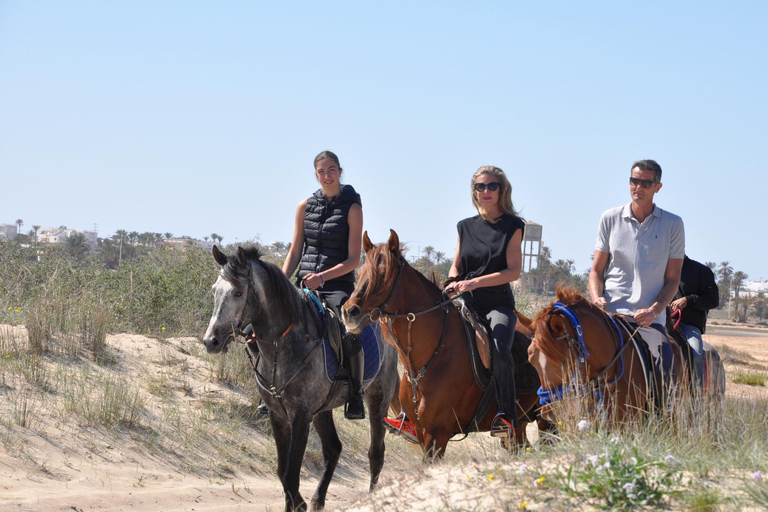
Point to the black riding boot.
(353, 353)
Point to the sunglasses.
(645, 183)
(492, 187)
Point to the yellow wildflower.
(490, 477)
(522, 505)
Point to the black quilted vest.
(326, 232)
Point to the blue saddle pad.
(369, 343)
(370, 350)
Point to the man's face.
(644, 187)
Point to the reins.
(388, 319)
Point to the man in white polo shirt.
(638, 259)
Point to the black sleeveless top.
(483, 251)
(326, 234)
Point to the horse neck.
(599, 336)
(266, 307)
(417, 340)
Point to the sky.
(195, 117)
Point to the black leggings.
(502, 320)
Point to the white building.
(752, 288)
(8, 231)
(61, 234)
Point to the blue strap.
(584, 353)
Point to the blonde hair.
(505, 192)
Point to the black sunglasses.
(644, 183)
(492, 187)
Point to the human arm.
(514, 259)
(297, 243)
(354, 246)
(645, 317)
(597, 278)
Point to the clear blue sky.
(199, 117)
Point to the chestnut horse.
(438, 390)
(580, 350)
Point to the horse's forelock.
(544, 340)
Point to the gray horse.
(290, 369)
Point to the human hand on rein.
(680, 303)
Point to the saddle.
(330, 325)
(478, 337)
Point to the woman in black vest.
(488, 258)
(327, 240)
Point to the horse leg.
(291, 474)
(434, 444)
(281, 433)
(325, 428)
(377, 410)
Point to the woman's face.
(328, 174)
(487, 198)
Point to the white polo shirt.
(638, 258)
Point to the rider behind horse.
(488, 258)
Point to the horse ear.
(394, 243)
(241, 256)
(367, 244)
(524, 321)
(219, 256)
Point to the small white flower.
(582, 425)
(603, 467)
(522, 469)
(593, 459)
(757, 476)
(614, 440)
(632, 496)
(670, 459)
(629, 488)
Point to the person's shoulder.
(513, 221)
(669, 216)
(468, 221)
(348, 193)
(613, 213)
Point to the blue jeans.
(693, 335)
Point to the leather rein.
(268, 386)
(388, 319)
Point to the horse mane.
(543, 338)
(283, 291)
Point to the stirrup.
(354, 409)
(502, 427)
(401, 426)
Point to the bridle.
(269, 386)
(597, 383)
(387, 319)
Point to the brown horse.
(438, 390)
(596, 356)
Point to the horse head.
(550, 353)
(230, 296)
(375, 283)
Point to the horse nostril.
(353, 312)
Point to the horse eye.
(238, 293)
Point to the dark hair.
(327, 154)
(648, 165)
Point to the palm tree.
(122, 235)
(711, 264)
(35, 227)
(439, 256)
(428, 250)
(168, 236)
(738, 279)
(19, 223)
(77, 245)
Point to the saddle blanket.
(370, 350)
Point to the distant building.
(61, 234)
(8, 231)
(752, 288)
(183, 243)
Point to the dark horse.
(580, 350)
(291, 370)
(438, 391)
